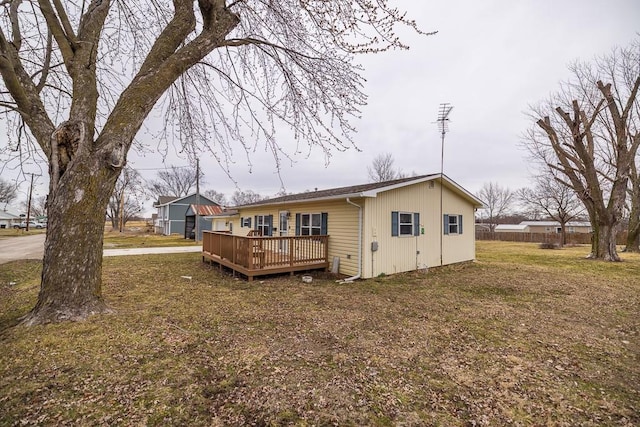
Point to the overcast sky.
(490, 60)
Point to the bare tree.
(8, 192)
(633, 231)
(498, 201)
(175, 181)
(82, 77)
(588, 133)
(245, 197)
(127, 199)
(555, 199)
(382, 168)
(216, 196)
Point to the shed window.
(405, 223)
(452, 224)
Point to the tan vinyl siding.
(459, 247)
(342, 227)
(396, 254)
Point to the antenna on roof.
(443, 126)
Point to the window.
(311, 224)
(405, 224)
(245, 222)
(263, 224)
(452, 224)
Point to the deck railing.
(258, 253)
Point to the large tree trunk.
(72, 267)
(633, 237)
(603, 245)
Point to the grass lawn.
(135, 235)
(523, 336)
(16, 232)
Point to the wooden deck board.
(270, 269)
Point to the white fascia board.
(301, 201)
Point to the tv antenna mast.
(443, 126)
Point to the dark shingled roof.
(336, 192)
(162, 200)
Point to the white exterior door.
(283, 227)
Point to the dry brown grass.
(137, 234)
(521, 337)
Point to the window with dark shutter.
(405, 223)
(452, 224)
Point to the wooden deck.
(255, 256)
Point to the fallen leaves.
(486, 344)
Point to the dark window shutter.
(298, 223)
(459, 224)
(324, 223)
(249, 225)
(445, 221)
(416, 223)
(255, 222)
(394, 223)
(270, 225)
(241, 222)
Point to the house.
(7, 219)
(544, 227)
(202, 211)
(360, 231)
(172, 210)
(554, 226)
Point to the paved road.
(23, 247)
(32, 247)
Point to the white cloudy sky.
(490, 60)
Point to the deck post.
(291, 243)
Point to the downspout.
(357, 276)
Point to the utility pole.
(125, 182)
(29, 203)
(197, 225)
(121, 219)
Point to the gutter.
(357, 276)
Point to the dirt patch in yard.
(521, 337)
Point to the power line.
(164, 168)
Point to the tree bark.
(633, 240)
(604, 243)
(563, 233)
(633, 235)
(71, 290)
